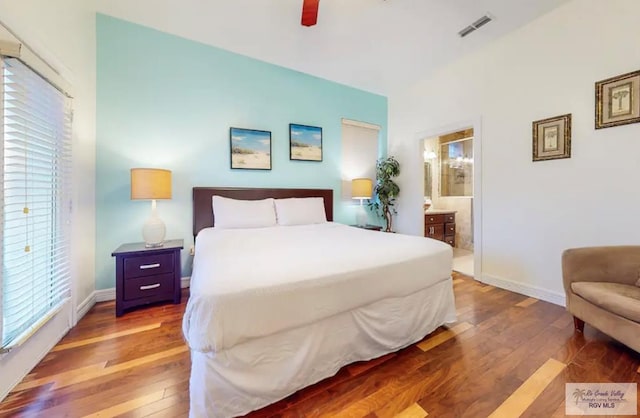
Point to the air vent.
(475, 25)
(464, 32)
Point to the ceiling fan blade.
(310, 12)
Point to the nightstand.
(147, 275)
(369, 227)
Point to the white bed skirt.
(262, 371)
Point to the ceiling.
(376, 45)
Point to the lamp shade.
(150, 183)
(361, 188)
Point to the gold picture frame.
(552, 138)
(618, 100)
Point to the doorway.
(449, 194)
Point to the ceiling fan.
(309, 12)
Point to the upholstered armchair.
(603, 289)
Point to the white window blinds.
(35, 192)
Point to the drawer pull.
(431, 219)
(149, 266)
(150, 286)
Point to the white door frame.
(476, 124)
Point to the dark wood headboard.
(203, 210)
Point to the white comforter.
(250, 283)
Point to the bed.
(275, 309)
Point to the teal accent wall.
(167, 102)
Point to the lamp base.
(361, 216)
(151, 245)
(154, 229)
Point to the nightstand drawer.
(143, 287)
(433, 219)
(450, 217)
(450, 240)
(148, 265)
(449, 229)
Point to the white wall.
(531, 212)
(63, 32)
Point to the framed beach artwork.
(305, 142)
(250, 149)
(618, 100)
(552, 138)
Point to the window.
(35, 198)
(359, 153)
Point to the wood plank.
(175, 411)
(362, 366)
(560, 412)
(174, 402)
(74, 376)
(62, 376)
(431, 342)
(414, 411)
(562, 322)
(520, 400)
(527, 302)
(123, 407)
(106, 391)
(120, 367)
(548, 402)
(331, 402)
(105, 337)
(485, 289)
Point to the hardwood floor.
(507, 356)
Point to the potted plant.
(386, 190)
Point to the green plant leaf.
(385, 190)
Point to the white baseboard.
(184, 282)
(85, 306)
(525, 289)
(104, 295)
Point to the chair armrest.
(615, 264)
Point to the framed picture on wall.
(250, 149)
(305, 142)
(552, 138)
(618, 100)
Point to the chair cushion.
(617, 298)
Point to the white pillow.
(234, 213)
(300, 211)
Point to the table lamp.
(151, 183)
(361, 189)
